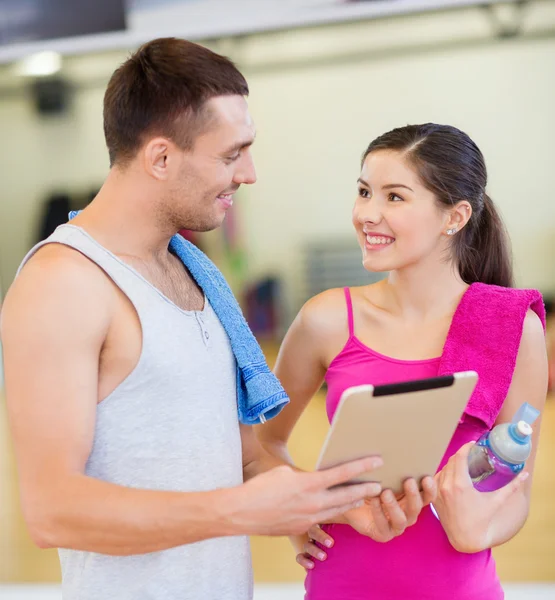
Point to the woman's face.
(397, 220)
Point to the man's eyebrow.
(240, 145)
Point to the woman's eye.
(363, 192)
(395, 198)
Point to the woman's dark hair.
(451, 166)
(162, 90)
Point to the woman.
(422, 215)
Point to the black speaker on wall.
(51, 95)
(34, 20)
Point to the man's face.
(202, 190)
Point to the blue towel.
(260, 395)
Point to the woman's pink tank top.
(421, 564)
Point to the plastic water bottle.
(499, 455)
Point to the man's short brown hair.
(162, 90)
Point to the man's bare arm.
(54, 322)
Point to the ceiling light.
(41, 64)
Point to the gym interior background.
(326, 77)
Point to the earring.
(452, 231)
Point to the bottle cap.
(523, 429)
(526, 413)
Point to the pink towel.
(493, 347)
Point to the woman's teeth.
(373, 240)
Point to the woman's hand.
(469, 517)
(310, 550)
(381, 519)
(387, 517)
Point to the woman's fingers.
(461, 463)
(429, 490)
(317, 534)
(305, 562)
(311, 550)
(447, 474)
(379, 518)
(396, 517)
(412, 502)
(503, 494)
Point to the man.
(120, 379)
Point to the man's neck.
(125, 220)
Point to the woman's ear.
(459, 216)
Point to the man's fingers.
(351, 494)
(328, 516)
(347, 472)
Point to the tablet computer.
(408, 424)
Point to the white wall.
(40, 155)
(314, 124)
(318, 98)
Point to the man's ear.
(157, 157)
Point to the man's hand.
(283, 501)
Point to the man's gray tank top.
(170, 425)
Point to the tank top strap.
(123, 275)
(349, 302)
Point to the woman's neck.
(424, 292)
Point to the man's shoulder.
(55, 282)
(56, 256)
(57, 264)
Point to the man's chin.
(206, 227)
